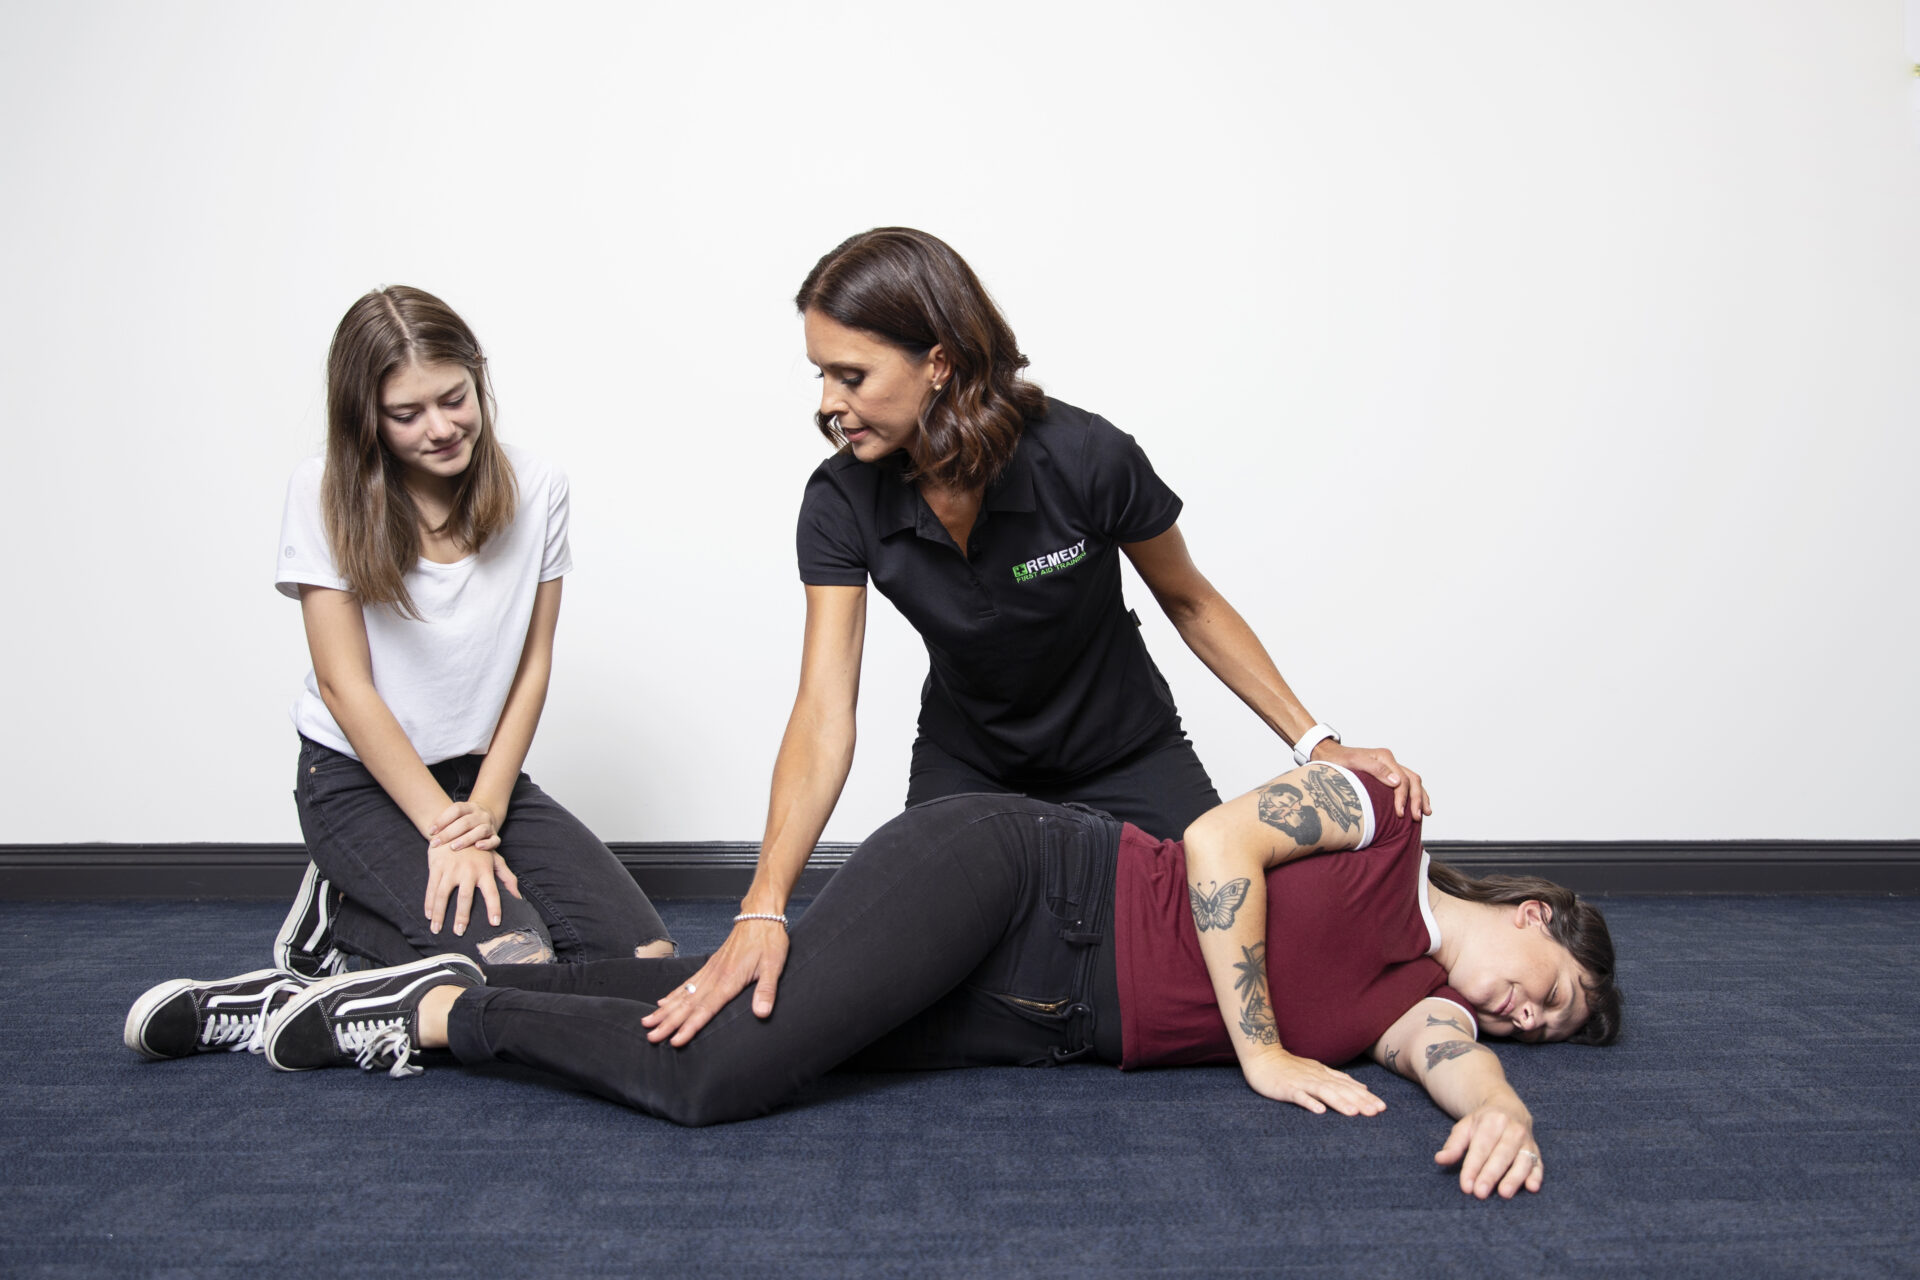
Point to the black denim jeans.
(577, 900)
(1160, 788)
(970, 931)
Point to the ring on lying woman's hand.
(690, 992)
(1531, 1155)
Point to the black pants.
(1160, 788)
(971, 931)
(576, 897)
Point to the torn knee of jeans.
(522, 946)
(658, 949)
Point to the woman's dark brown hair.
(908, 288)
(1578, 926)
(373, 523)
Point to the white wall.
(1541, 378)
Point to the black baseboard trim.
(1599, 867)
(722, 868)
(98, 872)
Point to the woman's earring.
(938, 387)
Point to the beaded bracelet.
(762, 915)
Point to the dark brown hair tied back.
(910, 289)
(372, 521)
(1578, 926)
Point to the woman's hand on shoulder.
(1495, 1147)
(756, 951)
(1305, 1083)
(1409, 795)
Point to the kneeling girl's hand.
(465, 824)
(462, 857)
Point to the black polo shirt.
(1037, 671)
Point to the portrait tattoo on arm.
(1256, 1014)
(1447, 1050)
(1285, 806)
(1333, 793)
(1216, 910)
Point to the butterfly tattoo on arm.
(1216, 910)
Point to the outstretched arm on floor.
(1493, 1141)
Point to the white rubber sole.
(319, 990)
(134, 1035)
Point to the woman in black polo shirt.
(993, 518)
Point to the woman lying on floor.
(987, 929)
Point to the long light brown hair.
(1575, 924)
(910, 289)
(373, 522)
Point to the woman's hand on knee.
(465, 825)
(504, 874)
(456, 874)
(756, 951)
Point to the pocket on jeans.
(325, 772)
(1052, 1037)
(1035, 1008)
(1067, 869)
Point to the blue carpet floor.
(1761, 1118)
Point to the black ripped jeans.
(576, 897)
(970, 931)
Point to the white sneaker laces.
(374, 1042)
(237, 1031)
(244, 1031)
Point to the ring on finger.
(689, 991)
(1534, 1156)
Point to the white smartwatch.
(1303, 749)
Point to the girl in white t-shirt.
(427, 559)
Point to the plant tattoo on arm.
(1256, 1014)
(1216, 910)
(1285, 806)
(1332, 792)
(1447, 1050)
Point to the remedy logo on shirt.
(1054, 562)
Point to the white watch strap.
(1303, 749)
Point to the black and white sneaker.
(186, 1016)
(305, 942)
(362, 1019)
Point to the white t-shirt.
(446, 676)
